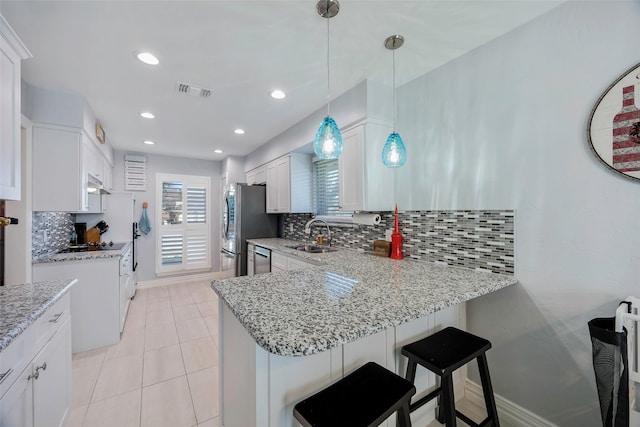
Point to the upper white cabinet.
(66, 154)
(57, 170)
(365, 183)
(289, 180)
(257, 176)
(63, 158)
(12, 51)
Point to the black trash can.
(610, 365)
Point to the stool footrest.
(483, 423)
(420, 402)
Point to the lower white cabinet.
(281, 262)
(250, 260)
(52, 388)
(41, 394)
(97, 301)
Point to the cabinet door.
(57, 171)
(107, 180)
(279, 262)
(251, 178)
(295, 264)
(9, 122)
(284, 184)
(52, 388)
(350, 171)
(272, 188)
(250, 265)
(16, 406)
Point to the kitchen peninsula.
(286, 335)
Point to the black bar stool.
(442, 353)
(365, 397)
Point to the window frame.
(333, 216)
(185, 229)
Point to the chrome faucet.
(307, 228)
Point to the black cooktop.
(87, 247)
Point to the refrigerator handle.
(226, 217)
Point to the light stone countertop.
(349, 295)
(21, 305)
(80, 256)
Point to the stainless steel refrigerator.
(244, 217)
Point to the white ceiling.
(241, 50)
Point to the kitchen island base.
(259, 388)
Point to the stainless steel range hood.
(94, 185)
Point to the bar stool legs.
(442, 353)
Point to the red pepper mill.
(396, 239)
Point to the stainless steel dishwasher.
(262, 260)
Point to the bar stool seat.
(365, 397)
(442, 353)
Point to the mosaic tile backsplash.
(58, 227)
(479, 240)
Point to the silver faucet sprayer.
(307, 228)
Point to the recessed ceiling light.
(239, 131)
(147, 58)
(278, 94)
(217, 151)
(149, 142)
(147, 115)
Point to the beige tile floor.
(164, 370)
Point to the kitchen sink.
(312, 249)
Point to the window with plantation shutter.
(184, 231)
(326, 188)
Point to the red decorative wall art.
(614, 125)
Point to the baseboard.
(508, 412)
(219, 275)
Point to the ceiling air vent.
(193, 90)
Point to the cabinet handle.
(56, 318)
(36, 374)
(5, 375)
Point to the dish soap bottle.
(396, 239)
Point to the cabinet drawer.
(50, 321)
(14, 359)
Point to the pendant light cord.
(394, 90)
(328, 75)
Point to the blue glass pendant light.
(328, 141)
(394, 154)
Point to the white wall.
(346, 109)
(175, 165)
(505, 127)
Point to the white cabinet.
(281, 262)
(52, 388)
(58, 180)
(16, 406)
(365, 183)
(289, 180)
(12, 51)
(40, 395)
(257, 176)
(96, 300)
(250, 260)
(63, 158)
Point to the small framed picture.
(100, 133)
